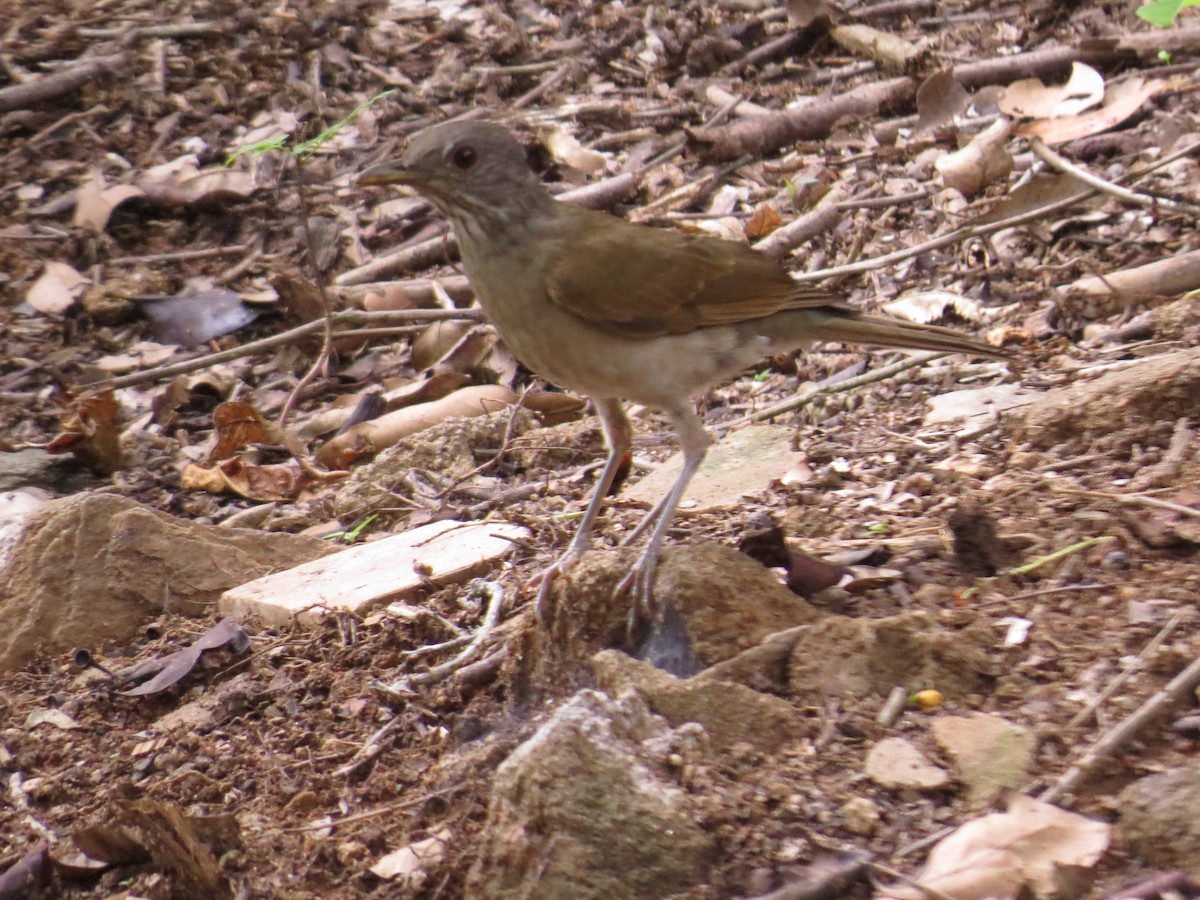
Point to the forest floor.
(101, 208)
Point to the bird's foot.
(639, 583)
(544, 581)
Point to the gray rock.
(584, 809)
(1160, 819)
(730, 713)
(94, 567)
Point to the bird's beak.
(390, 172)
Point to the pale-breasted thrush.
(621, 311)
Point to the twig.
(495, 595)
(178, 30)
(180, 255)
(1111, 689)
(970, 231)
(350, 317)
(1043, 152)
(911, 362)
(897, 875)
(368, 814)
(367, 751)
(1132, 500)
(1110, 742)
(38, 91)
(1078, 546)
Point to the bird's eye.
(464, 157)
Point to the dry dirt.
(286, 721)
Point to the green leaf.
(307, 148)
(258, 148)
(1163, 13)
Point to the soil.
(280, 731)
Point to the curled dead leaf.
(1031, 99)
(57, 289)
(91, 432)
(1121, 101)
(980, 163)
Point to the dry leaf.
(1121, 101)
(763, 222)
(57, 288)
(1031, 99)
(282, 481)
(91, 432)
(1000, 854)
(980, 163)
(1032, 195)
(924, 307)
(237, 425)
(939, 99)
(94, 202)
(412, 863)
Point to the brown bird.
(620, 311)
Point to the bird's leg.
(618, 437)
(694, 441)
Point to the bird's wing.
(647, 281)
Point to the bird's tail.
(887, 332)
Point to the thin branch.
(1113, 740)
(349, 317)
(1043, 152)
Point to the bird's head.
(461, 164)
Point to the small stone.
(861, 815)
(989, 752)
(896, 764)
(1160, 818)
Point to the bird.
(621, 311)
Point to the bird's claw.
(639, 582)
(544, 582)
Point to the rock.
(840, 655)
(723, 602)
(94, 567)
(365, 576)
(559, 446)
(989, 753)
(744, 463)
(728, 712)
(896, 764)
(762, 667)
(729, 601)
(1160, 819)
(861, 815)
(582, 810)
(1159, 388)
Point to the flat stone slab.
(743, 462)
(365, 576)
(896, 763)
(989, 752)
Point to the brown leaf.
(1121, 101)
(238, 425)
(95, 202)
(763, 222)
(165, 671)
(91, 432)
